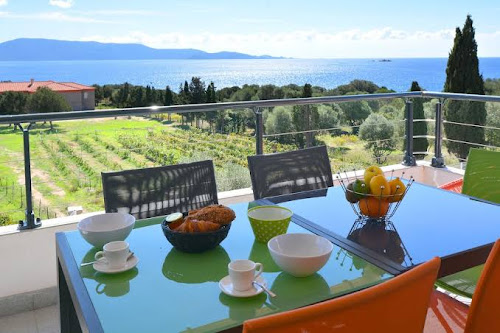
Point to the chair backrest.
(397, 305)
(290, 172)
(482, 175)
(484, 315)
(161, 190)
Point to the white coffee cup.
(243, 272)
(115, 253)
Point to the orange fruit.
(397, 190)
(373, 207)
(379, 186)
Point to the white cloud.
(122, 12)
(61, 3)
(3, 3)
(58, 16)
(54, 16)
(251, 20)
(381, 42)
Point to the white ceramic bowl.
(300, 254)
(104, 228)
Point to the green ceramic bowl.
(269, 221)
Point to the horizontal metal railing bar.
(316, 130)
(423, 119)
(383, 140)
(470, 125)
(424, 137)
(461, 97)
(471, 143)
(294, 133)
(454, 122)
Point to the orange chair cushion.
(445, 314)
(454, 186)
(397, 305)
(484, 314)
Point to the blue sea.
(329, 73)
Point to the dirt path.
(44, 177)
(38, 197)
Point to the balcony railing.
(25, 122)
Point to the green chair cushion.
(462, 283)
(481, 180)
(482, 175)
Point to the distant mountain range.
(35, 49)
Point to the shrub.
(354, 113)
(378, 133)
(493, 120)
(5, 219)
(280, 120)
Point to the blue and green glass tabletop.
(172, 291)
(429, 222)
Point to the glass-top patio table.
(429, 222)
(171, 291)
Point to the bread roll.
(191, 225)
(215, 213)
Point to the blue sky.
(324, 29)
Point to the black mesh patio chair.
(160, 191)
(290, 172)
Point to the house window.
(85, 95)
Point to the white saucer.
(226, 286)
(102, 266)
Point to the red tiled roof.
(55, 86)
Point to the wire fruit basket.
(373, 202)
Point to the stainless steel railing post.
(438, 160)
(409, 159)
(30, 222)
(259, 131)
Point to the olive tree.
(354, 113)
(378, 133)
(280, 120)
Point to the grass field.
(67, 161)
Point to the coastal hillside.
(34, 49)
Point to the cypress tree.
(187, 93)
(137, 96)
(462, 76)
(210, 98)
(169, 97)
(168, 100)
(305, 118)
(148, 96)
(154, 96)
(419, 127)
(123, 97)
(186, 99)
